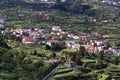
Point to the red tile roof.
(53, 41)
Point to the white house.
(51, 42)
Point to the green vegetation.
(88, 60)
(21, 62)
(18, 64)
(104, 77)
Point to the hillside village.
(59, 40)
(60, 37)
(56, 35)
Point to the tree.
(35, 52)
(100, 58)
(4, 44)
(56, 47)
(99, 61)
(116, 60)
(79, 55)
(72, 6)
(82, 51)
(53, 55)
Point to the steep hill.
(72, 12)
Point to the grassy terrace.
(88, 60)
(103, 77)
(7, 75)
(94, 6)
(62, 71)
(40, 49)
(65, 75)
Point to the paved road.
(48, 76)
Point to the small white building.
(2, 23)
(56, 28)
(51, 42)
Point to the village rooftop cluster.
(56, 35)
